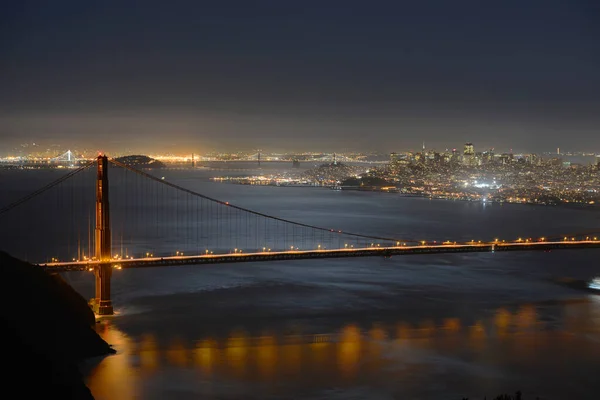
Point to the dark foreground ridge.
(47, 329)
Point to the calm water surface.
(413, 327)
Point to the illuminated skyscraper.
(488, 156)
(469, 154)
(469, 149)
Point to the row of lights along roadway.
(346, 246)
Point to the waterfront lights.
(594, 284)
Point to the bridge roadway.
(310, 254)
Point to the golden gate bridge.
(74, 224)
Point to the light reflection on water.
(514, 349)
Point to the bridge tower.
(102, 302)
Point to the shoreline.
(578, 206)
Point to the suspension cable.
(227, 204)
(45, 188)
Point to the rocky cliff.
(48, 330)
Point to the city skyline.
(36, 148)
(278, 75)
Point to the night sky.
(306, 75)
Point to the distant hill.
(327, 173)
(141, 161)
(366, 181)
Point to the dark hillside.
(47, 329)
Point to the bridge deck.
(310, 254)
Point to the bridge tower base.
(102, 304)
